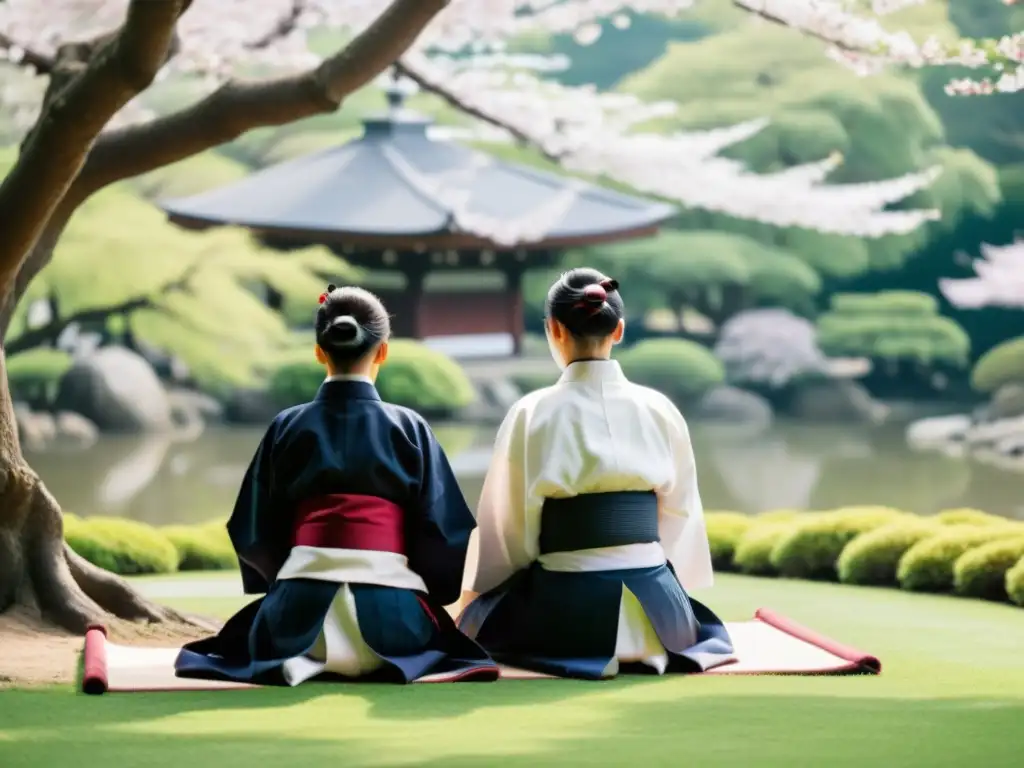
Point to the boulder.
(75, 431)
(733, 406)
(191, 403)
(36, 430)
(118, 391)
(938, 431)
(250, 406)
(1007, 402)
(835, 400)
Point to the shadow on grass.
(707, 731)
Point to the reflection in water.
(787, 466)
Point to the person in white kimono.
(590, 525)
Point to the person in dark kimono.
(350, 521)
(591, 529)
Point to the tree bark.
(62, 165)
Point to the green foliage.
(1003, 364)
(191, 176)
(414, 375)
(982, 572)
(33, 375)
(892, 325)
(202, 547)
(725, 529)
(680, 369)
(753, 552)
(968, 516)
(121, 546)
(873, 557)
(424, 379)
(928, 565)
(882, 125)
(531, 381)
(1015, 583)
(810, 549)
(118, 247)
(295, 145)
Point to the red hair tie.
(323, 298)
(326, 294)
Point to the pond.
(790, 466)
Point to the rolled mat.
(768, 644)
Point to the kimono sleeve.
(502, 546)
(437, 535)
(680, 510)
(257, 527)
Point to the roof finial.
(395, 92)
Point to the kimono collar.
(593, 371)
(347, 387)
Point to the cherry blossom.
(998, 281)
(590, 133)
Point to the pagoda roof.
(397, 185)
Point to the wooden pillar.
(411, 325)
(514, 304)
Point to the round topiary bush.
(753, 552)
(778, 515)
(981, 572)
(968, 516)
(122, 546)
(1003, 364)
(414, 375)
(1015, 583)
(810, 549)
(682, 370)
(202, 547)
(872, 558)
(725, 529)
(928, 565)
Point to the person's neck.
(355, 373)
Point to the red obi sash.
(350, 521)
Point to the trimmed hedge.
(753, 555)
(129, 548)
(811, 549)
(122, 546)
(202, 547)
(683, 370)
(968, 516)
(1015, 583)
(928, 565)
(872, 558)
(982, 572)
(725, 529)
(1003, 364)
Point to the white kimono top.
(592, 432)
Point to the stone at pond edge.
(733, 406)
(117, 390)
(250, 406)
(40, 431)
(835, 401)
(76, 431)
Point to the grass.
(952, 693)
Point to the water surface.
(791, 466)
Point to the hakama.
(590, 526)
(355, 581)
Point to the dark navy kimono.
(349, 516)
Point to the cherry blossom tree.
(78, 67)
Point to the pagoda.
(400, 200)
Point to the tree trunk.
(37, 569)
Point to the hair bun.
(345, 331)
(595, 294)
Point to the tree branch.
(434, 86)
(25, 56)
(238, 107)
(68, 126)
(53, 329)
(284, 27)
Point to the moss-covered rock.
(1015, 583)
(928, 565)
(872, 558)
(725, 529)
(124, 547)
(1001, 365)
(202, 547)
(753, 552)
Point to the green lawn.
(951, 693)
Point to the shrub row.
(963, 551)
(130, 548)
